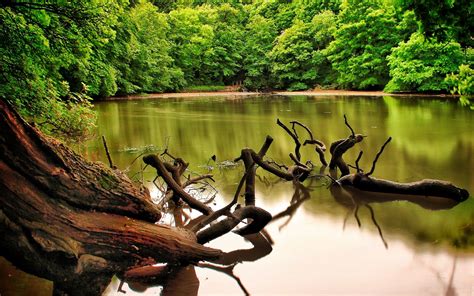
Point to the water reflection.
(431, 241)
(431, 138)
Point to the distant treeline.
(60, 53)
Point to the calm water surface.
(320, 250)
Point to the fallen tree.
(72, 221)
(427, 187)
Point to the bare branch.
(377, 156)
(294, 136)
(357, 161)
(197, 179)
(347, 123)
(155, 161)
(108, 154)
(303, 126)
(297, 162)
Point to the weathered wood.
(154, 161)
(426, 187)
(69, 220)
(260, 219)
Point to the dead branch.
(107, 153)
(155, 161)
(337, 150)
(426, 187)
(377, 156)
(294, 136)
(200, 222)
(195, 180)
(250, 168)
(348, 125)
(260, 219)
(357, 161)
(320, 147)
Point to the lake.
(400, 248)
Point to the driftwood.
(70, 221)
(320, 147)
(426, 187)
(339, 147)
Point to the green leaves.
(297, 58)
(366, 33)
(422, 64)
(54, 51)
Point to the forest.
(56, 57)
(146, 219)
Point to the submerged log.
(426, 187)
(69, 220)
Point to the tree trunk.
(426, 187)
(70, 221)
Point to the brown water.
(320, 250)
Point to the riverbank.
(282, 93)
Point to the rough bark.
(177, 188)
(337, 150)
(69, 220)
(260, 219)
(426, 187)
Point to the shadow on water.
(244, 123)
(352, 199)
(182, 280)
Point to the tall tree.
(367, 30)
(45, 46)
(445, 20)
(297, 58)
(191, 35)
(421, 64)
(260, 33)
(140, 52)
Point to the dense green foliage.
(422, 65)
(366, 32)
(56, 55)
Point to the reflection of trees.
(212, 142)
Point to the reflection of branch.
(300, 195)
(450, 289)
(261, 243)
(354, 199)
(356, 215)
(372, 215)
(228, 270)
(261, 248)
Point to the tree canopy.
(57, 56)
